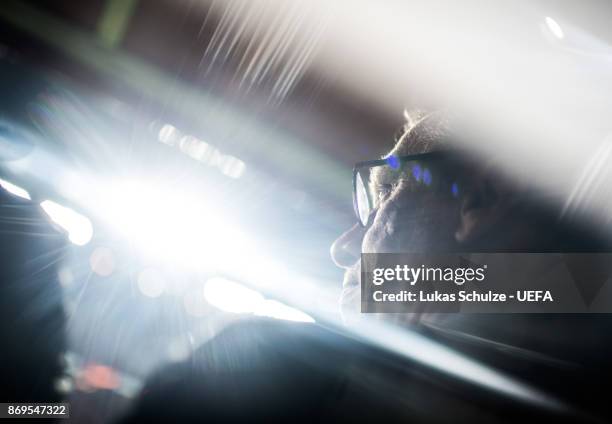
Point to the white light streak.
(14, 189)
(231, 297)
(79, 228)
(554, 27)
(274, 309)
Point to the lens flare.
(231, 297)
(78, 227)
(172, 225)
(16, 190)
(554, 27)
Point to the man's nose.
(346, 250)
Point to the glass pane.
(363, 200)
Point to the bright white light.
(168, 134)
(275, 309)
(79, 227)
(231, 297)
(16, 190)
(172, 224)
(554, 27)
(232, 167)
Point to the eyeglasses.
(442, 173)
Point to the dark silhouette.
(32, 318)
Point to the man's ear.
(484, 207)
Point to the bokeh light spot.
(427, 176)
(151, 283)
(393, 162)
(102, 261)
(416, 172)
(455, 189)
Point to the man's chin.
(350, 303)
(350, 299)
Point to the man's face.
(406, 217)
(409, 215)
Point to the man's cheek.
(410, 228)
(397, 228)
(378, 237)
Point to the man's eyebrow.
(383, 176)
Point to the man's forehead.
(427, 135)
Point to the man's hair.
(433, 131)
(422, 132)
